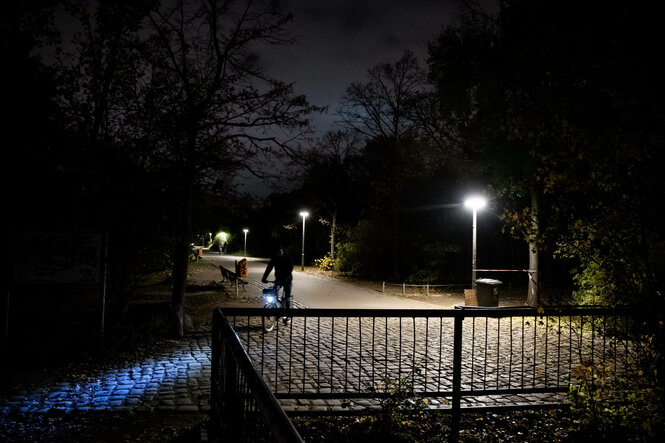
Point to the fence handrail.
(273, 414)
(459, 311)
(306, 363)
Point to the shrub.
(326, 263)
(613, 408)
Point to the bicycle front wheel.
(269, 321)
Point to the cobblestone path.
(175, 379)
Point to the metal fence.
(342, 360)
(242, 407)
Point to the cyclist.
(283, 274)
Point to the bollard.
(403, 288)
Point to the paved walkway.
(175, 379)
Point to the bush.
(326, 263)
(612, 408)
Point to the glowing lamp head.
(475, 203)
(304, 214)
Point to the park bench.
(232, 277)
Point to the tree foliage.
(566, 104)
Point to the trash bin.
(487, 291)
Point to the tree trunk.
(533, 296)
(181, 254)
(333, 228)
(395, 241)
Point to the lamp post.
(245, 248)
(474, 203)
(304, 215)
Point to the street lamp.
(474, 203)
(304, 215)
(245, 231)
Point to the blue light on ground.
(178, 379)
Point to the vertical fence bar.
(485, 355)
(360, 352)
(547, 324)
(346, 355)
(426, 349)
(318, 354)
(522, 354)
(332, 354)
(304, 353)
(399, 358)
(457, 376)
(498, 349)
(438, 378)
(473, 349)
(373, 348)
(413, 360)
(215, 378)
(535, 347)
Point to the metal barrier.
(426, 286)
(340, 360)
(242, 407)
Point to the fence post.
(231, 398)
(383, 288)
(457, 376)
(427, 289)
(216, 381)
(403, 288)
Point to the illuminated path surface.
(173, 379)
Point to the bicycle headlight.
(270, 298)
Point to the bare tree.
(327, 173)
(384, 105)
(210, 102)
(177, 87)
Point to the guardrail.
(462, 359)
(242, 407)
(426, 286)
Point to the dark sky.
(337, 41)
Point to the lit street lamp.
(245, 249)
(303, 214)
(474, 203)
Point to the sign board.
(59, 257)
(241, 268)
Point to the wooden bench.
(230, 276)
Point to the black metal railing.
(341, 359)
(242, 407)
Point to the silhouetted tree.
(559, 110)
(384, 109)
(210, 102)
(329, 176)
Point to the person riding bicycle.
(283, 274)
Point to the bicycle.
(274, 299)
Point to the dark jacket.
(283, 268)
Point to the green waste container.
(487, 291)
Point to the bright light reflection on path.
(177, 379)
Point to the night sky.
(337, 41)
